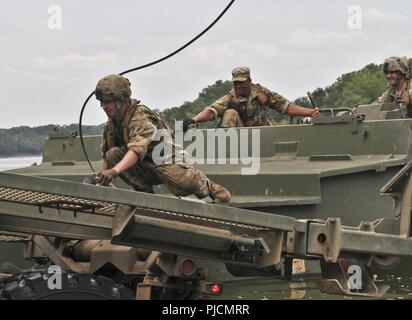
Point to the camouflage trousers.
(181, 179)
(231, 119)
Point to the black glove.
(186, 123)
(107, 176)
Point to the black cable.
(146, 66)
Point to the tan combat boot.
(216, 191)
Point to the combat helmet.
(400, 64)
(113, 88)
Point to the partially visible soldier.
(246, 105)
(398, 76)
(128, 144)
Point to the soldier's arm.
(296, 111)
(208, 114)
(141, 133)
(106, 175)
(281, 104)
(215, 110)
(104, 148)
(104, 165)
(140, 139)
(205, 115)
(128, 161)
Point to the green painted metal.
(327, 169)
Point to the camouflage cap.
(394, 64)
(112, 88)
(241, 74)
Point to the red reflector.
(188, 267)
(215, 288)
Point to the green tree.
(352, 89)
(206, 97)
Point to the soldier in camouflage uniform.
(129, 142)
(398, 75)
(246, 105)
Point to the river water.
(18, 162)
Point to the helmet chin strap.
(118, 110)
(399, 80)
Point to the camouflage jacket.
(136, 132)
(253, 109)
(403, 98)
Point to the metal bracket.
(400, 188)
(272, 242)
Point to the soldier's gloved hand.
(107, 176)
(186, 123)
(315, 113)
(400, 101)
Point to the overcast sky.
(291, 47)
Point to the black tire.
(34, 286)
